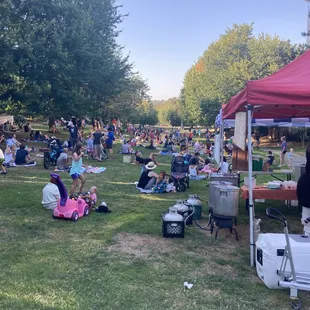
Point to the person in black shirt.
(303, 185)
(145, 161)
(22, 156)
(97, 144)
(148, 177)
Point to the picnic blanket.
(26, 165)
(144, 191)
(95, 170)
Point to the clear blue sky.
(165, 37)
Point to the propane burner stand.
(222, 222)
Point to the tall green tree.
(61, 57)
(225, 67)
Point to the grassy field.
(120, 260)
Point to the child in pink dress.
(207, 167)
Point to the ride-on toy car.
(68, 208)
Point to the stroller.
(179, 173)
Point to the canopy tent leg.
(250, 168)
(221, 141)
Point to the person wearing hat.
(148, 177)
(51, 194)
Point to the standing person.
(73, 134)
(97, 144)
(109, 142)
(76, 171)
(283, 151)
(303, 187)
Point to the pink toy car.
(68, 208)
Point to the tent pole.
(251, 207)
(221, 143)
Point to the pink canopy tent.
(284, 94)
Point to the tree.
(226, 66)
(61, 58)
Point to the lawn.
(120, 260)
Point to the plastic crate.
(173, 229)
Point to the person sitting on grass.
(22, 156)
(62, 160)
(9, 156)
(207, 169)
(51, 195)
(199, 161)
(194, 172)
(268, 162)
(126, 149)
(148, 177)
(161, 183)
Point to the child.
(161, 183)
(76, 171)
(290, 157)
(9, 156)
(207, 167)
(90, 146)
(224, 166)
(269, 161)
(93, 195)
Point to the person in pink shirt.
(93, 194)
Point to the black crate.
(173, 229)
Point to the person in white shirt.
(126, 148)
(224, 166)
(51, 195)
(197, 147)
(62, 160)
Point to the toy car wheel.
(75, 216)
(86, 211)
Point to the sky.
(165, 37)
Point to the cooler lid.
(271, 242)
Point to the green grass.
(120, 260)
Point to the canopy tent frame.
(285, 94)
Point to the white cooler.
(269, 255)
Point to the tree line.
(62, 58)
(223, 70)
